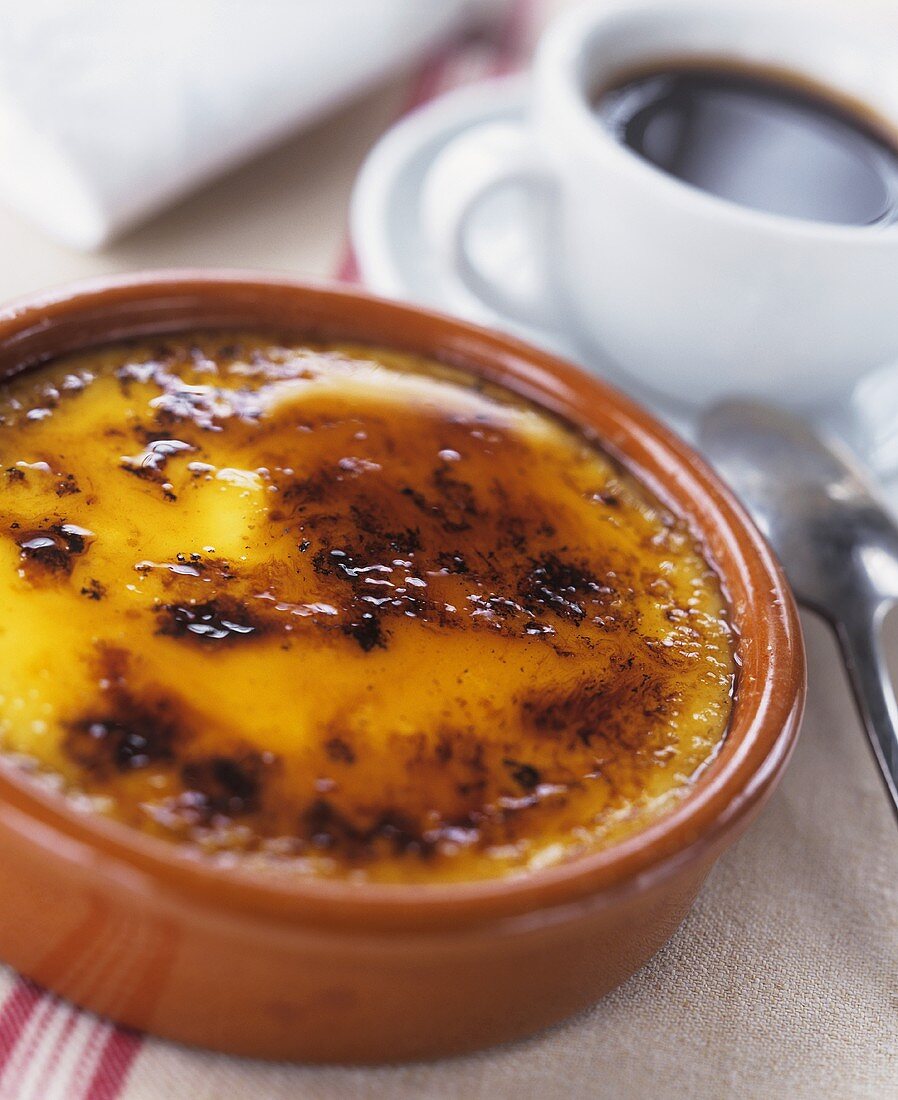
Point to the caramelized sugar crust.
(344, 612)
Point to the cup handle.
(477, 164)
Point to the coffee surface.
(343, 612)
(761, 139)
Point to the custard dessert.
(344, 612)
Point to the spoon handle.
(861, 643)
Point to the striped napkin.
(111, 111)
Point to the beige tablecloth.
(783, 982)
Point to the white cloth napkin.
(109, 109)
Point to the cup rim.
(557, 69)
(768, 703)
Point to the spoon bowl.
(835, 538)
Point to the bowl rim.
(768, 701)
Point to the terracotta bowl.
(130, 927)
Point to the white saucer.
(395, 260)
(387, 235)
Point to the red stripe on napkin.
(122, 1047)
(53, 1059)
(17, 1010)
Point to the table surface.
(782, 982)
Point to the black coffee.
(760, 139)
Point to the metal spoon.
(834, 537)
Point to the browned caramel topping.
(343, 611)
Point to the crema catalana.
(344, 612)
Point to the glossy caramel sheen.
(344, 612)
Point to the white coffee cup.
(694, 296)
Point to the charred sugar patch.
(67, 486)
(379, 540)
(525, 775)
(458, 494)
(44, 553)
(316, 488)
(515, 533)
(667, 654)
(326, 827)
(495, 606)
(451, 518)
(443, 750)
(499, 612)
(93, 590)
(609, 718)
(339, 750)
(221, 620)
(145, 473)
(460, 790)
(191, 565)
(210, 568)
(335, 562)
(537, 629)
(126, 735)
(561, 587)
(351, 568)
(14, 474)
(453, 561)
(76, 539)
(367, 631)
(460, 763)
(453, 503)
(463, 746)
(419, 500)
(50, 551)
(227, 786)
(151, 463)
(366, 611)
